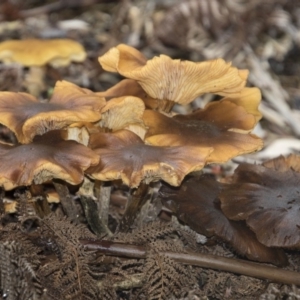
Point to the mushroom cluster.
(130, 132)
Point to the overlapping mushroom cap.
(121, 112)
(196, 203)
(129, 87)
(222, 125)
(34, 52)
(125, 156)
(28, 117)
(174, 80)
(47, 157)
(268, 197)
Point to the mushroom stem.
(40, 204)
(102, 192)
(66, 201)
(237, 266)
(135, 203)
(91, 214)
(97, 221)
(34, 80)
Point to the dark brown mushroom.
(47, 157)
(125, 156)
(268, 198)
(196, 203)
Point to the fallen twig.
(233, 265)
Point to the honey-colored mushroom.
(69, 104)
(122, 112)
(222, 125)
(37, 53)
(172, 80)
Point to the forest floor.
(263, 38)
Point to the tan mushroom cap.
(249, 98)
(130, 87)
(48, 157)
(35, 52)
(172, 79)
(27, 117)
(223, 126)
(121, 112)
(125, 156)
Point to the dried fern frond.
(147, 233)
(69, 275)
(166, 278)
(18, 271)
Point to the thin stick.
(237, 266)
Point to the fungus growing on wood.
(174, 81)
(196, 203)
(28, 117)
(267, 197)
(125, 156)
(222, 125)
(47, 157)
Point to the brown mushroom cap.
(34, 52)
(27, 117)
(196, 203)
(221, 125)
(125, 156)
(174, 80)
(47, 157)
(268, 199)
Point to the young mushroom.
(123, 113)
(222, 125)
(267, 198)
(36, 54)
(174, 81)
(27, 117)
